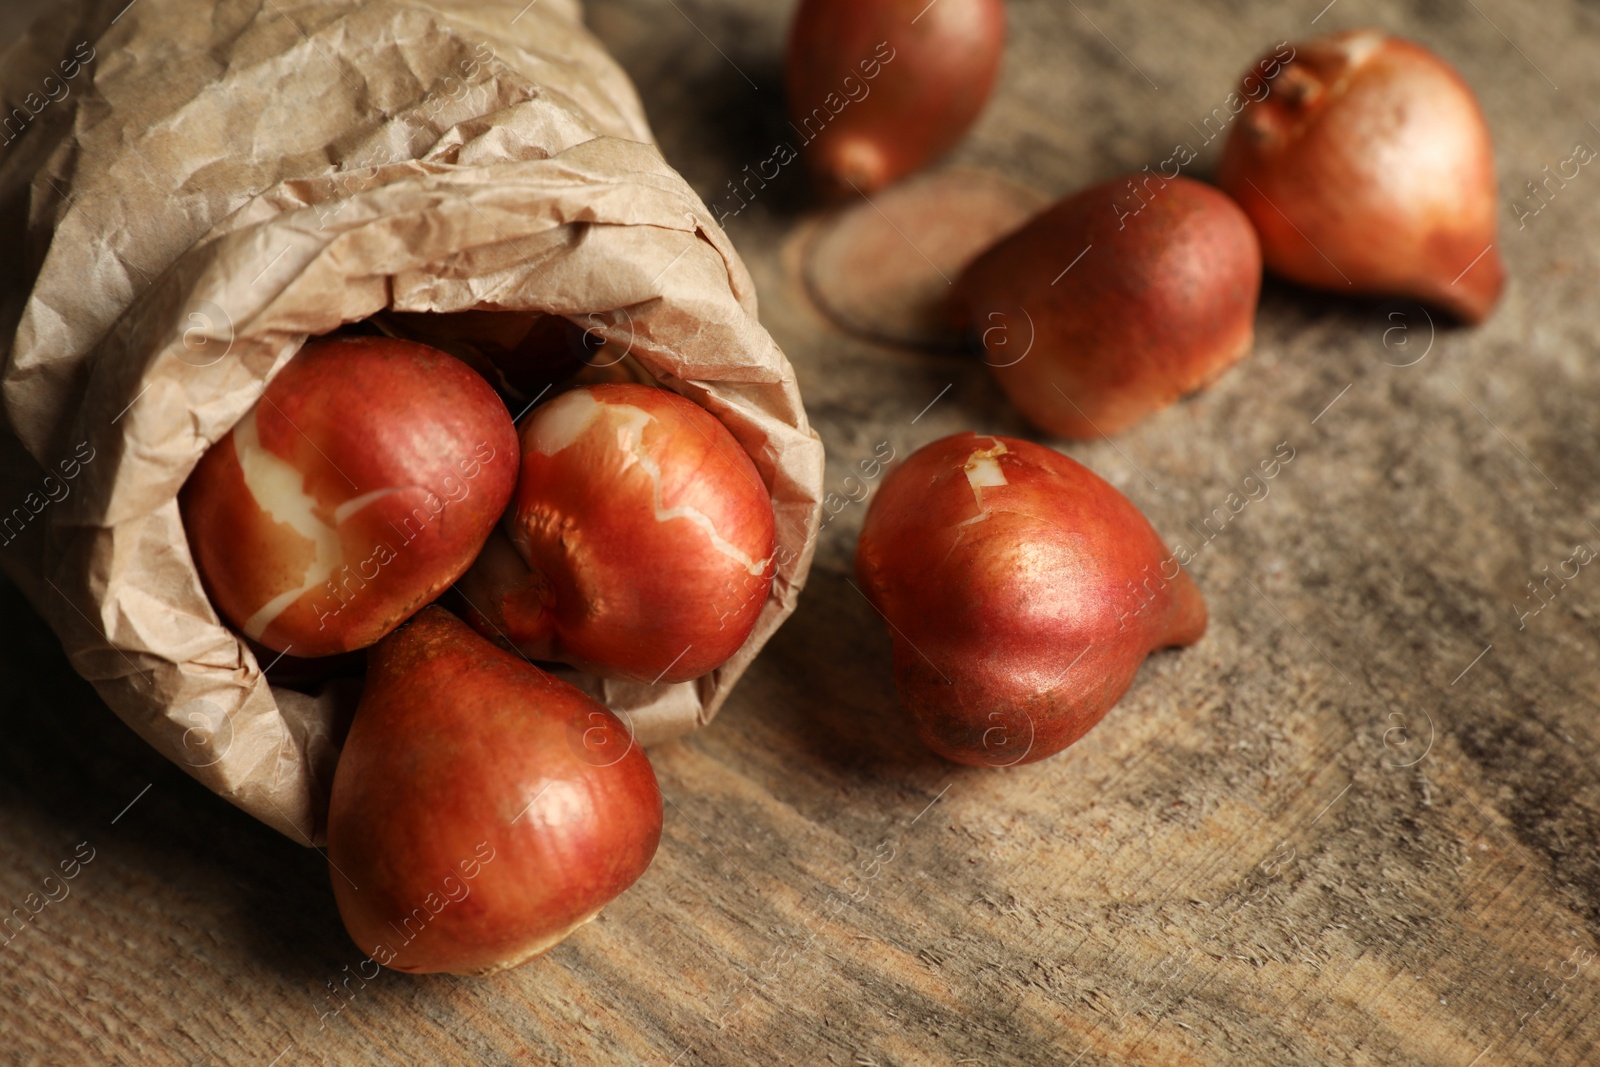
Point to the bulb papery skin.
(1115, 302)
(880, 88)
(1022, 593)
(648, 532)
(1367, 168)
(359, 487)
(481, 809)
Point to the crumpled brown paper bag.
(212, 183)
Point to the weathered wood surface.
(1357, 824)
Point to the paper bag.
(189, 190)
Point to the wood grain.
(1358, 824)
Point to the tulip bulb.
(1115, 302)
(359, 487)
(481, 810)
(879, 88)
(1367, 168)
(642, 539)
(1022, 593)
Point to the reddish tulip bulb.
(878, 88)
(481, 810)
(1022, 593)
(358, 488)
(649, 533)
(1367, 168)
(1115, 302)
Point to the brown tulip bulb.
(879, 88)
(1366, 167)
(1115, 302)
(645, 534)
(1022, 593)
(360, 486)
(482, 810)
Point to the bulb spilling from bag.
(641, 539)
(482, 810)
(359, 487)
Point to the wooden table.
(1358, 824)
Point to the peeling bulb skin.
(646, 537)
(358, 488)
(1367, 168)
(880, 88)
(1115, 302)
(1022, 593)
(481, 809)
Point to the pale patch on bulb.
(278, 489)
(355, 504)
(1359, 45)
(1355, 47)
(983, 472)
(862, 162)
(566, 418)
(958, 21)
(562, 421)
